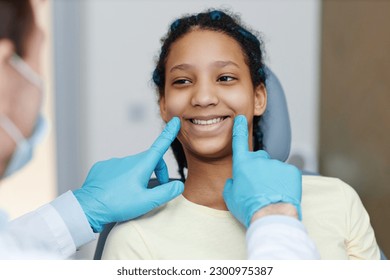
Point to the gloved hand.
(116, 190)
(258, 181)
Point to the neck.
(206, 180)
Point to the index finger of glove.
(240, 136)
(162, 143)
(161, 172)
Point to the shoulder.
(321, 185)
(328, 198)
(334, 214)
(322, 181)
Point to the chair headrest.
(275, 122)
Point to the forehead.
(203, 45)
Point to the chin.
(210, 149)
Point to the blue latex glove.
(258, 181)
(116, 190)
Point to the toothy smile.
(208, 122)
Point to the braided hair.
(228, 24)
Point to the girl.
(210, 70)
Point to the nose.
(204, 95)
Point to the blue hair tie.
(215, 15)
(175, 24)
(261, 72)
(156, 77)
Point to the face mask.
(24, 147)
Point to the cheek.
(242, 103)
(175, 105)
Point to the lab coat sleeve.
(279, 238)
(60, 226)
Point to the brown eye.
(226, 79)
(181, 82)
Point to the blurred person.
(114, 190)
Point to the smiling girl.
(210, 70)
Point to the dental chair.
(276, 139)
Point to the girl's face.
(207, 84)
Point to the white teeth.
(207, 122)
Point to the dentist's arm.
(114, 190)
(264, 195)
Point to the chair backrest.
(275, 122)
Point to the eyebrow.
(218, 64)
(183, 66)
(224, 63)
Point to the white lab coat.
(53, 231)
(279, 238)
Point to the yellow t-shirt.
(332, 213)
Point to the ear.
(260, 103)
(163, 109)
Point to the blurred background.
(332, 58)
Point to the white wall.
(122, 40)
(118, 41)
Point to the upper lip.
(205, 118)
